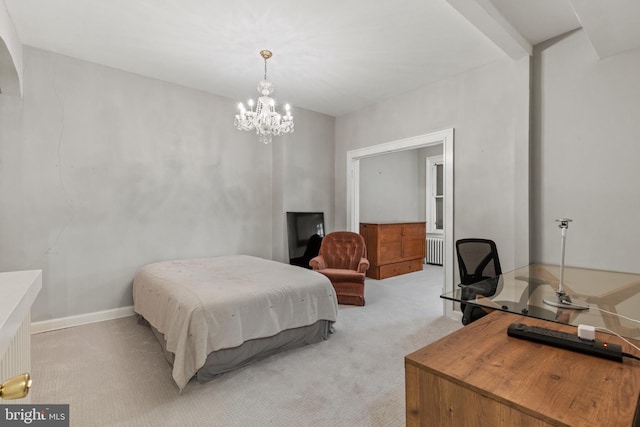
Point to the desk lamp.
(562, 299)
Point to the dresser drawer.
(414, 248)
(390, 233)
(414, 231)
(390, 252)
(390, 270)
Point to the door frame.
(444, 137)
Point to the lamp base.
(564, 301)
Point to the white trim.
(80, 319)
(445, 138)
(19, 290)
(430, 186)
(485, 16)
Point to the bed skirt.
(229, 359)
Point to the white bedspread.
(204, 305)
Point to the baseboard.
(80, 319)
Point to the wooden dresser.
(394, 248)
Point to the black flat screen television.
(305, 231)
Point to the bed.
(213, 315)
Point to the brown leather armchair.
(343, 259)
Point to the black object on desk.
(566, 340)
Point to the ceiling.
(331, 56)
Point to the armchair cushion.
(318, 263)
(342, 275)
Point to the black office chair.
(477, 261)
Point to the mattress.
(201, 306)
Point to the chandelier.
(264, 118)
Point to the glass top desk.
(613, 298)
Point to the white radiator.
(435, 250)
(17, 358)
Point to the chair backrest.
(477, 260)
(343, 249)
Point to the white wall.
(485, 108)
(389, 188)
(585, 151)
(103, 171)
(393, 186)
(304, 175)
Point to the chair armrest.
(318, 263)
(363, 265)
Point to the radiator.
(435, 250)
(17, 358)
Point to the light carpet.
(113, 373)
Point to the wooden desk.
(479, 376)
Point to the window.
(435, 194)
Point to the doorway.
(446, 138)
